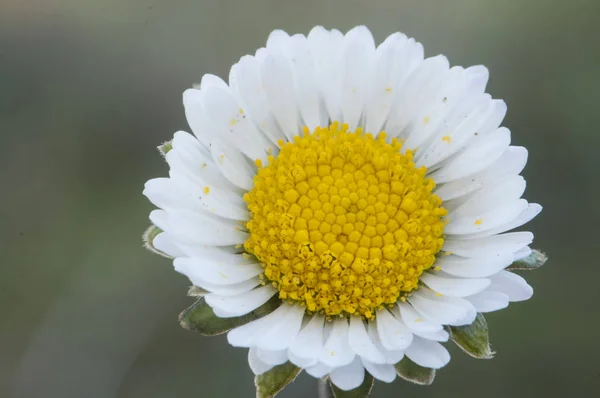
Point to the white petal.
(309, 342)
(208, 199)
(305, 83)
(194, 164)
(479, 76)
(358, 55)
(511, 162)
(188, 145)
(163, 193)
(415, 321)
(437, 309)
(489, 198)
(385, 373)
(452, 286)
(281, 336)
(204, 198)
(164, 242)
(229, 120)
(326, 50)
(222, 254)
(454, 130)
(428, 353)
(496, 244)
(230, 290)
(221, 314)
(278, 39)
(474, 116)
(193, 227)
(256, 364)
(278, 83)
(438, 110)
(195, 169)
(350, 376)
(318, 370)
(243, 303)
(470, 312)
(440, 335)
(416, 90)
(460, 224)
(482, 153)
(210, 80)
(196, 116)
(511, 284)
(234, 166)
(396, 57)
(249, 88)
(272, 357)
(301, 362)
(478, 267)
(522, 253)
(219, 273)
(392, 357)
(489, 301)
(337, 352)
(361, 343)
(532, 210)
(245, 335)
(160, 218)
(392, 332)
(221, 290)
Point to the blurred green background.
(88, 89)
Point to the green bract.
(473, 339)
(535, 260)
(414, 373)
(273, 381)
(148, 238)
(199, 317)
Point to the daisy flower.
(343, 208)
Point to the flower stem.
(323, 390)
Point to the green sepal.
(535, 260)
(361, 391)
(148, 237)
(473, 339)
(414, 373)
(200, 317)
(273, 381)
(195, 291)
(165, 147)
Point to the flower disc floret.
(343, 222)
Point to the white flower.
(373, 242)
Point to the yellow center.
(343, 222)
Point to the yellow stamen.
(343, 222)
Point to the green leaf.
(148, 238)
(273, 381)
(361, 391)
(414, 373)
(165, 147)
(535, 260)
(473, 339)
(199, 317)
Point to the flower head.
(343, 208)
